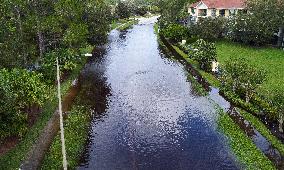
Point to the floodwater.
(146, 115)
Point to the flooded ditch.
(145, 114)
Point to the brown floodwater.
(146, 115)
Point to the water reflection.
(152, 120)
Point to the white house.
(213, 8)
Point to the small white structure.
(215, 66)
(183, 42)
(88, 55)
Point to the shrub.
(19, 90)
(209, 28)
(242, 77)
(175, 32)
(277, 101)
(205, 54)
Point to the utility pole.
(61, 118)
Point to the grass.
(243, 147)
(76, 132)
(263, 130)
(209, 77)
(196, 86)
(127, 25)
(14, 157)
(270, 59)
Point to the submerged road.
(146, 114)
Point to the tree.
(122, 10)
(258, 26)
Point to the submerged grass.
(76, 133)
(127, 25)
(242, 146)
(15, 156)
(264, 131)
(196, 86)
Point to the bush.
(175, 32)
(19, 90)
(205, 54)
(242, 77)
(209, 28)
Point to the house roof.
(223, 4)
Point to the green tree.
(122, 10)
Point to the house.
(213, 8)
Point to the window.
(213, 13)
(202, 12)
(232, 12)
(192, 11)
(222, 12)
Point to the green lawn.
(270, 59)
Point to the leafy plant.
(175, 32)
(242, 77)
(205, 54)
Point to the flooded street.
(146, 115)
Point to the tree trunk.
(281, 122)
(20, 27)
(280, 37)
(40, 41)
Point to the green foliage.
(68, 61)
(127, 25)
(20, 90)
(205, 54)
(141, 10)
(122, 10)
(76, 132)
(14, 158)
(242, 77)
(242, 146)
(209, 29)
(175, 32)
(263, 130)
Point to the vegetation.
(235, 76)
(32, 35)
(127, 25)
(204, 53)
(263, 130)
(269, 59)
(76, 132)
(257, 27)
(242, 146)
(209, 29)
(14, 157)
(20, 90)
(175, 32)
